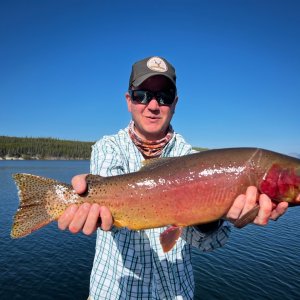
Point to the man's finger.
(80, 217)
(236, 208)
(66, 218)
(106, 218)
(79, 183)
(265, 210)
(91, 222)
(279, 210)
(250, 200)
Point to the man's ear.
(128, 100)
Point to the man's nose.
(153, 104)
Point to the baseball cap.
(151, 66)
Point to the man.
(131, 264)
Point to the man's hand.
(267, 211)
(86, 217)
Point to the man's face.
(152, 120)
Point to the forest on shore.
(43, 148)
(26, 148)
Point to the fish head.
(282, 183)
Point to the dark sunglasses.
(144, 97)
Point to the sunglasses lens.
(144, 97)
(139, 96)
(166, 98)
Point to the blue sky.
(65, 65)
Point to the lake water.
(256, 263)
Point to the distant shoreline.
(38, 158)
(26, 148)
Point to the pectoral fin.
(247, 217)
(169, 237)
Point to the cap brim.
(141, 79)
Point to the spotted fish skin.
(181, 191)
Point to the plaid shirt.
(131, 264)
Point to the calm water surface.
(256, 263)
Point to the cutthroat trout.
(178, 191)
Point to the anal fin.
(169, 237)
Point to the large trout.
(178, 191)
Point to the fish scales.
(179, 191)
(182, 191)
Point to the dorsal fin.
(94, 179)
(153, 163)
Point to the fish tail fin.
(42, 200)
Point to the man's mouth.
(153, 117)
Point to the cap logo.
(157, 64)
